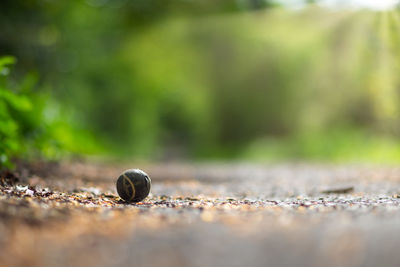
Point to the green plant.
(32, 124)
(12, 105)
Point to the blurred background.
(258, 80)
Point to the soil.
(210, 214)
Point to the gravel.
(210, 214)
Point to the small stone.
(133, 185)
(29, 192)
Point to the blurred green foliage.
(30, 126)
(208, 79)
(9, 103)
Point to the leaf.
(4, 61)
(7, 60)
(18, 102)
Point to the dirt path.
(202, 215)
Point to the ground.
(210, 214)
